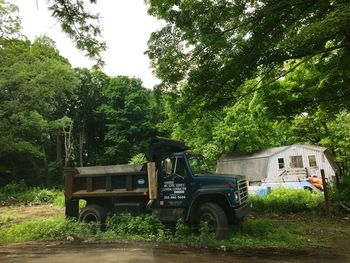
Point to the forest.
(235, 76)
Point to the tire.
(216, 219)
(93, 213)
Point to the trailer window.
(312, 160)
(173, 166)
(296, 161)
(280, 163)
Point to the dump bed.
(104, 181)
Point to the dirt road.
(146, 253)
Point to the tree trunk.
(46, 167)
(68, 145)
(58, 148)
(81, 145)
(35, 167)
(13, 170)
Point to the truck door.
(174, 182)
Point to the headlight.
(236, 196)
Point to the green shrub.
(261, 233)
(139, 158)
(47, 229)
(59, 199)
(287, 201)
(205, 236)
(341, 196)
(43, 195)
(182, 230)
(11, 190)
(145, 226)
(20, 193)
(250, 233)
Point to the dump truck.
(174, 184)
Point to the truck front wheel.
(214, 216)
(92, 213)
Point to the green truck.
(173, 185)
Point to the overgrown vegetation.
(241, 76)
(340, 197)
(251, 233)
(46, 229)
(53, 115)
(288, 201)
(21, 193)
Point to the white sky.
(125, 25)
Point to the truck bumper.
(242, 211)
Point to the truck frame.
(172, 185)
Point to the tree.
(89, 128)
(34, 83)
(216, 46)
(9, 21)
(80, 25)
(128, 119)
(242, 127)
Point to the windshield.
(198, 164)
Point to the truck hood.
(219, 178)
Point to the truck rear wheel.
(92, 213)
(215, 217)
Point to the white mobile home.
(287, 163)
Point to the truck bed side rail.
(103, 181)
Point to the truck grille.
(242, 191)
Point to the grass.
(286, 201)
(54, 228)
(252, 233)
(21, 194)
(284, 229)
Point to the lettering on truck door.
(173, 188)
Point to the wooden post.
(325, 190)
(152, 181)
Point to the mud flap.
(72, 209)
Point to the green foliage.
(287, 201)
(52, 116)
(241, 127)
(182, 230)
(215, 46)
(337, 138)
(125, 225)
(81, 26)
(128, 119)
(46, 229)
(35, 83)
(205, 236)
(245, 75)
(341, 196)
(263, 233)
(139, 158)
(254, 233)
(12, 189)
(9, 20)
(21, 193)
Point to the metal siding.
(321, 162)
(252, 169)
(256, 169)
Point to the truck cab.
(176, 185)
